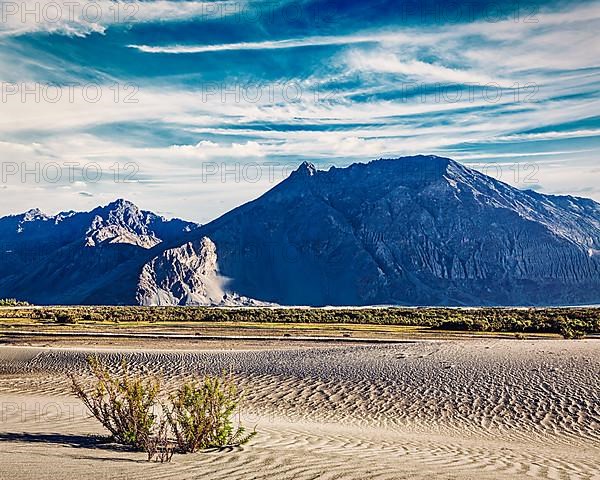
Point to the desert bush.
(159, 446)
(570, 333)
(123, 404)
(201, 414)
(198, 415)
(66, 318)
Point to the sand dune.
(448, 409)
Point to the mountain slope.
(421, 230)
(81, 257)
(187, 275)
(415, 230)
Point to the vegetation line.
(569, 322)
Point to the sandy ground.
(477, 409)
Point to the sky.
(192, 108)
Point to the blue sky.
(191, 108)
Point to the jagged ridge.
(415, 230)
(81, 257)
(421, 230)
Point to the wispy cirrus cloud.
(370, 88)
(387, 62)
(551, 135)
(79, 18)
(317, 41)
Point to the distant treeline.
(569, 322)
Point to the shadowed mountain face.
(85, 257)
(418, 230)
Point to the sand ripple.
(499, 408)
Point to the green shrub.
(122, 403)
(524, 320)
(65, 318)
(571, 333)
(201, 415)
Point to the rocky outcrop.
(186, 275)
(123, 222)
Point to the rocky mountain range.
(421, 230)
(81, 257)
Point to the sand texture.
(473, 409)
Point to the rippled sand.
(448, 409)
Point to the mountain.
(187, 275)
(118, 222)
(85, 257)
(421, 230)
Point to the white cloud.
(548, 135)
(208, 150)
(341, 130)
(277, 44)
(79, 18)
(388, 62)
(76, 111)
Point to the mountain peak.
(34, 214)
(305, 169)
(428, 164)
(122, 204)
(421, 229)
(425, 169)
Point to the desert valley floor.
(448, 409)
